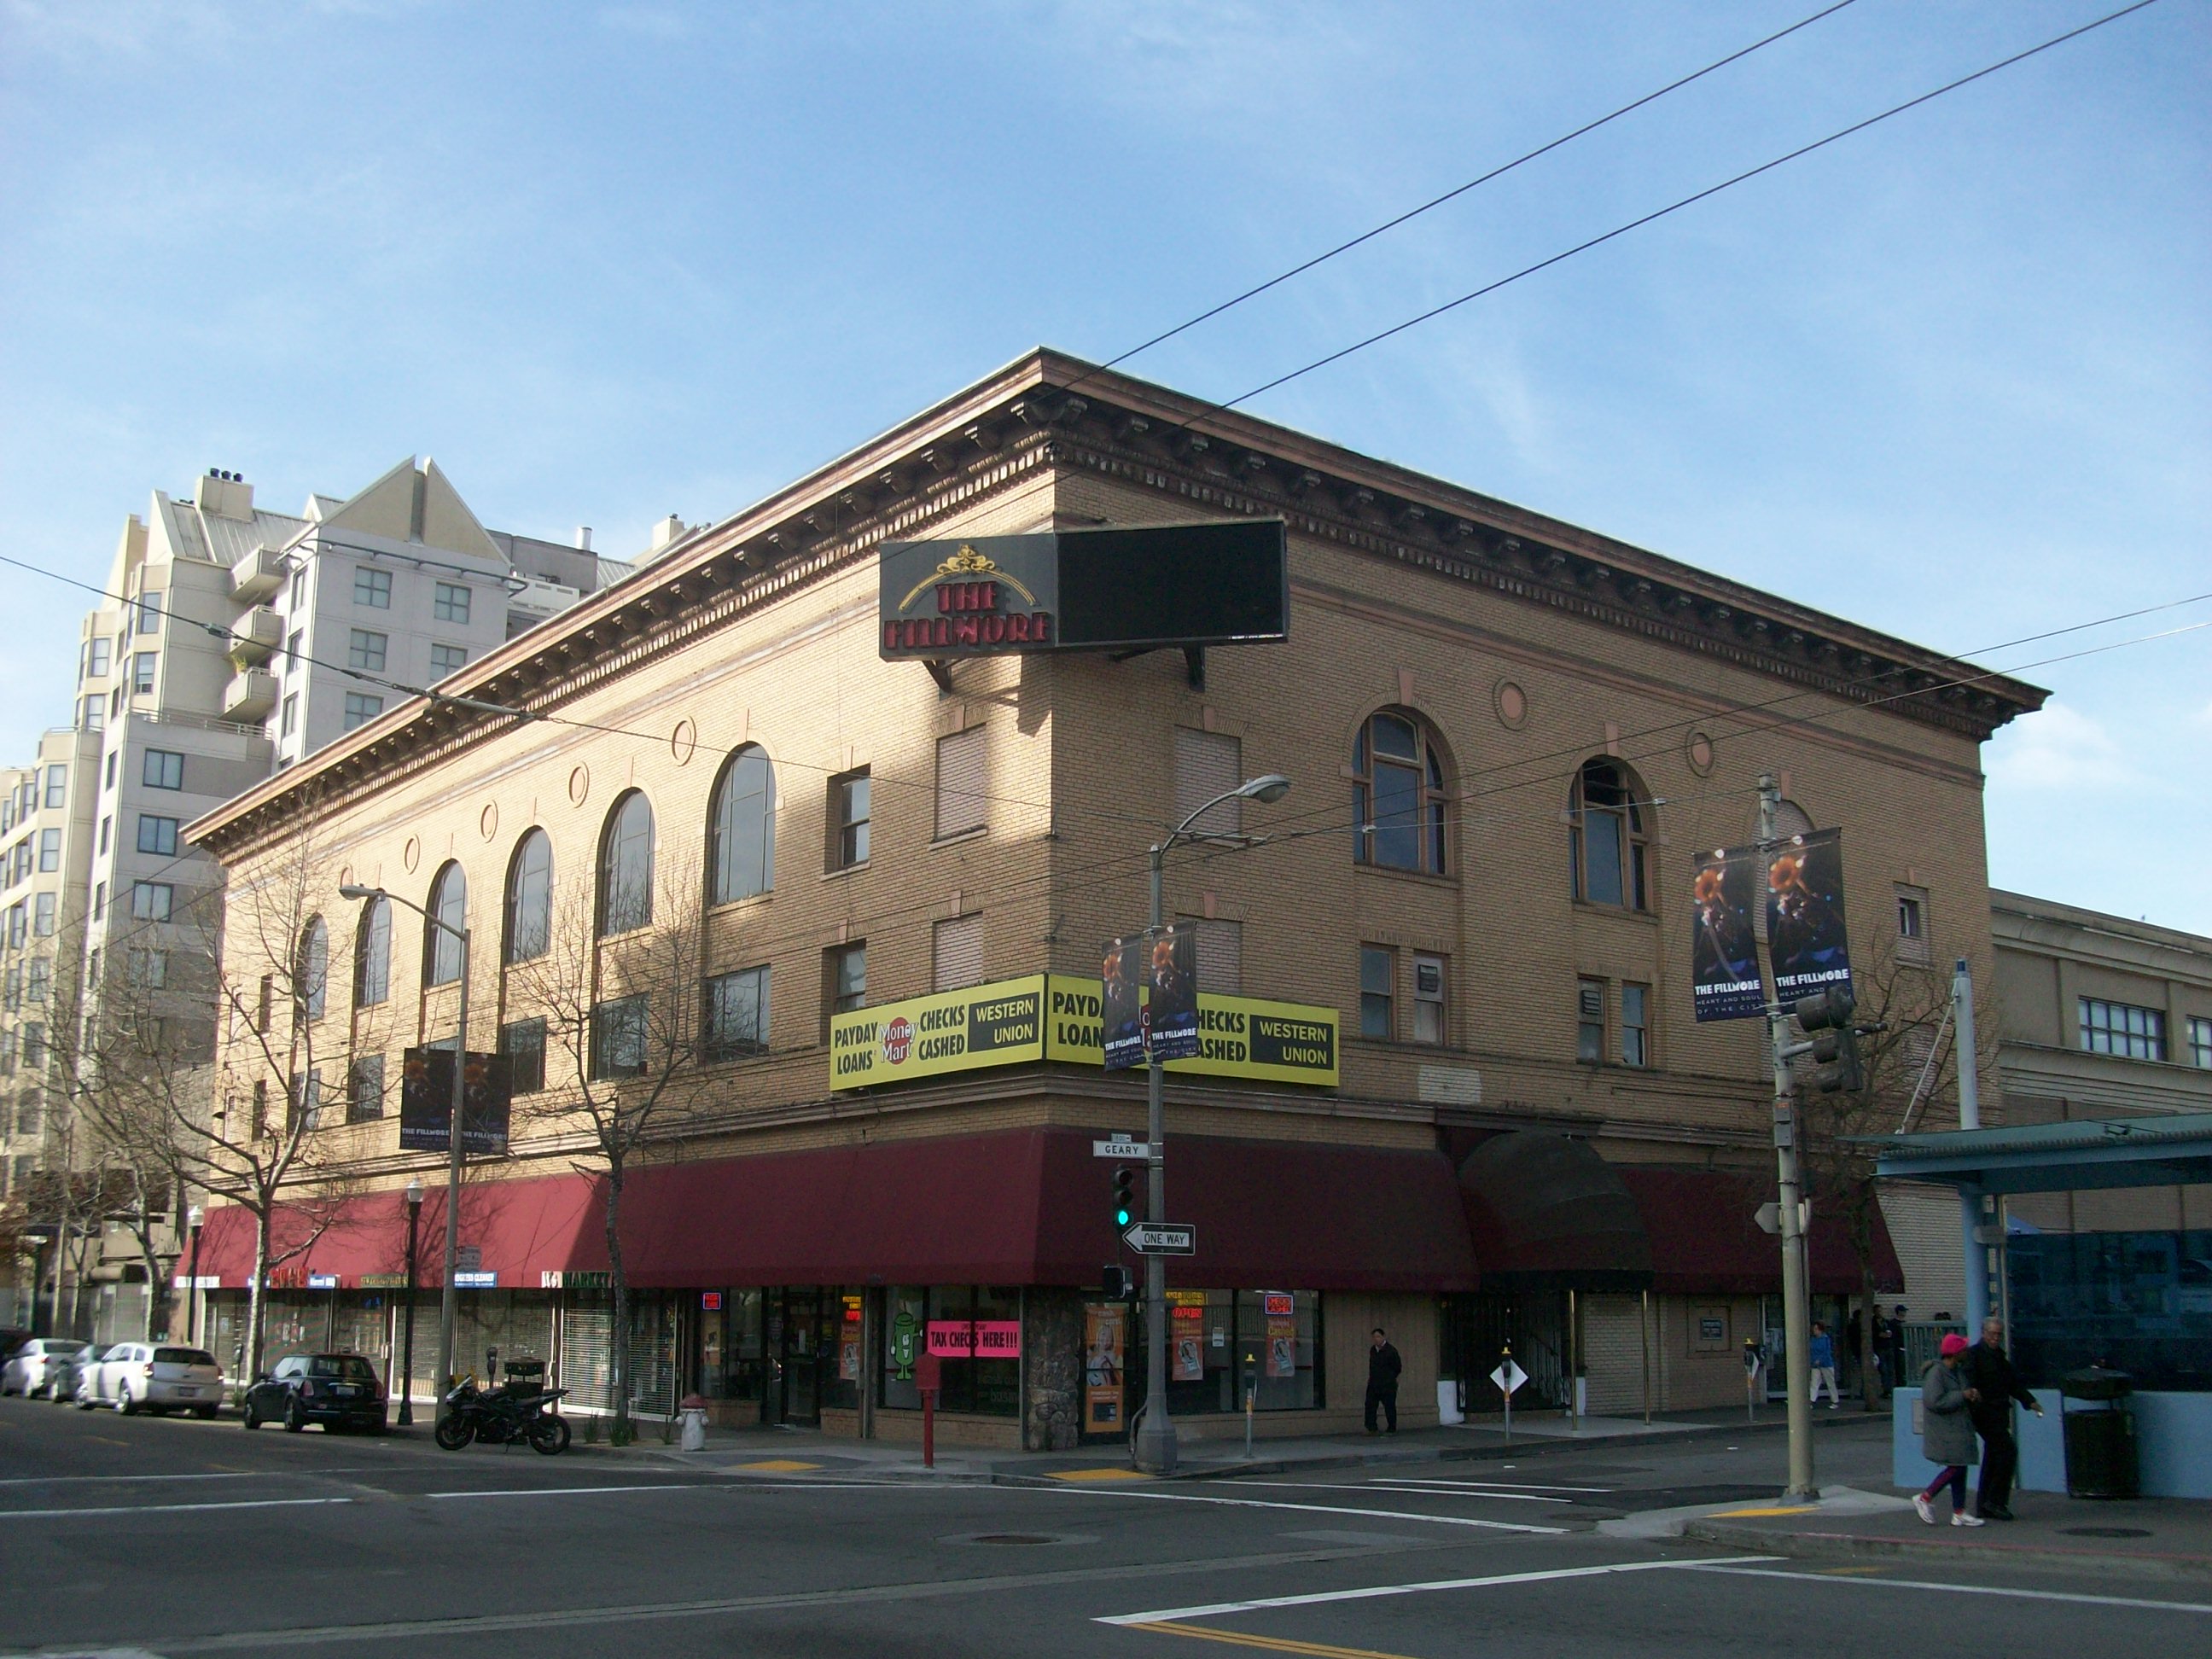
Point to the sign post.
(1509, 1377)
(928, 1376)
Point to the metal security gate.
(1474, 1330)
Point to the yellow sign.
(1237, 1036)
(1013, 1022)
(998, 1025)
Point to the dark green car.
(337, 1391)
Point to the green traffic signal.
(1125, 1197)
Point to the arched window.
(741, 850)
(530, 898)
(1611, 827)
(1398, 794)
(626, 865)
(372, 954)
(312, 972)
(449, 903)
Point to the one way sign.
(1161, 1238)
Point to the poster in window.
(1723, 951)
(1105, 1341)
(1805, 936)
(1188, 1355)
(1282, 1347)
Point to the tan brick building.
(1507, 736)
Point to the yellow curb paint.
(780, 1466)
(1272, 1644)
(1731, 1515)
(1103, 1474)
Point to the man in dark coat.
(1383, 1368)
(1992, 1385)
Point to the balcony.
(255, 637)
(256, 576)
(250, 695)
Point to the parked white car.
(152, 1376)
(44, 1365)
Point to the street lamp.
(445, 1307)
(1156, 1440)
(407, 1361)
(38, 1237)
(193, 1219)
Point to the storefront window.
(977, 1337)
(1223, 1343)
(841, 1389)
(730, 1354)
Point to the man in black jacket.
(1383, 1368)
(1992, 1385)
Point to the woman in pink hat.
(1947, 1433)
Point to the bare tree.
(1908, 1073)
(619, 985)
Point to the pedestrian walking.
(1992, 1386)
(1383, 1368)
(1947, 1433)
(1823, 1356)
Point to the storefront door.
(797, 1399)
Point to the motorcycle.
(501, 1417)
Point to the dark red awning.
(1706, 1240)
(1025, 1206)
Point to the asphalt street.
(175, 1537)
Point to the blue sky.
(1948, 378)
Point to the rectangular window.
(292, 650)
(93, 714)
(299, 590)
(1378, 990)
(151, 901)
(30, 1114)
(848, 820)
(146, 969)
(149, 614)
(42, 914)
(98, 900)
(1912, 944)
(289, 722)
(142, 672)
(960, 783)
(451, 603)
(2122, 1028)
(163, 769)
(845, 978)
(11, 987)
(523, 1042)
(106, 824)
(956, 953)
(365, 1089)
(1589, 1021)
(370, 587)
(360, 708)
(448, 659)
(618, 1038)
(735, 1017)
(113, 756)
(1635, 1024)
(101, 659)
(1208, 765)
(56, 785)
(41, 979)
(156, 834)
(34, 1047)
(2200, 1042)
(990, 1388)
(1428, 998)
(303, 1101)
(1220, 954)
(50, 850)
(365, 649)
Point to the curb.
(1858, 1547)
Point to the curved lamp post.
(447, 1304)
(1155, 1439)
(194, 1218)
(407, 1360)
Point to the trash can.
(693, 1412)
(2101, 1433)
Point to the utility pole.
(1155, 1435)
(1796, 1312)
(1970, 1117)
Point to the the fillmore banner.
(1060, 1018)
(1149, 991)
(968, 599)
(426, 1101)
(1806, 942)
(1724, 951)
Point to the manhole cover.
(2106, 1531)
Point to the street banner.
(1148, 989)
(426, 1101)
(1806, 942)
(1724, 951)
(1105, 1344)
(1122, 1002)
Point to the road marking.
(1509, 1485)
(1274, 1643)
(170, 1508)
(1329, 1509)
(1101, 1474)
(1788, 1509)
(240, 1474)
(1373, 1485)
(1958, 1589)
(1217, 1609)
(579, 1491)
(777, 1465)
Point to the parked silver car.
(152, 1376)
(45, 1364)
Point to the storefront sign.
(988, 596)
(382, 1281)
(1249, 1037)
(475, 1282)
(322, 1281)
(1105, 1345)
(204, 1282)
(975, 1338)
(1276, 1304)
(710, 1301)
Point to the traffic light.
(1125, 1196)
(1826, 1018)
(1114, 1282)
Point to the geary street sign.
(1161, 1238)
(1131, 1149)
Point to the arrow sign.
(1508, 1377)
(1161, 1238)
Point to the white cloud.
(2059, 748)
